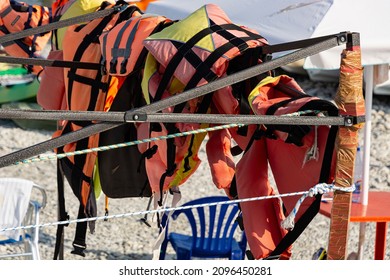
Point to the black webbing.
(85, 43)
(313, 209)
(63, 216)
(183, 51)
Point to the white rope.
(320, 188)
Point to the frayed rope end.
(288, 223)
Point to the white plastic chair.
(17, 209)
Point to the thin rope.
(313, 191)
(125, 144)
(321, 188)
(46, 157)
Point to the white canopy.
(289, 20)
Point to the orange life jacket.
(125, 40)
(16, 17)
(142, 4)
(51, 93)
(57, 5)
(95, 90)
(85, 89)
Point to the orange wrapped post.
(350, 101)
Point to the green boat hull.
(19, 92)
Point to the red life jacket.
(299, 156)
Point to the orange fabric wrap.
(350, 101)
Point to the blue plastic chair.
(212, 232)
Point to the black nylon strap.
(123, 52)
(20, 44)
(313, 209)
(199, 65)
(104, 54)
(128, 47)
(296, 132)
(81, 231)
(116, 52)
(27, 24)
(6, 11)
(87, 81)
(63, 216)
(204, 69)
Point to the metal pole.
(369, 80)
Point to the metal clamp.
(135, 117)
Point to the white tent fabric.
(289, 20)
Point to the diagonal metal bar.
(242, 75)
(267, 49)
(58, 24)
(62, 140)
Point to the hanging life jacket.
(62, 10)
(187, 54)
(86, 90)
(16, 17)
(308, 159)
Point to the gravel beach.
(127, 238)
